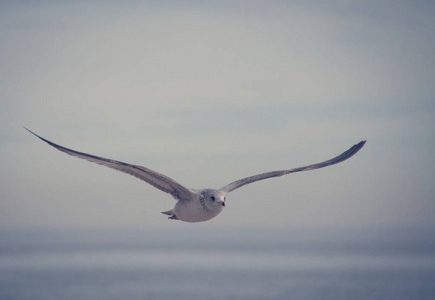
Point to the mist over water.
(237, 263)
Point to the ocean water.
(230, 263)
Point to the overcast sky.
(208, 92)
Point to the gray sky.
(208, 92)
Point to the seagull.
(195, 205)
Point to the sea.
(217, 263)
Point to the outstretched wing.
(342, 157)
(156, 179)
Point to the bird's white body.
(195, 205)
(204, 205)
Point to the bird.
(195, 205)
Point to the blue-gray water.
(217, 264)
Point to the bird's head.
(212, 199)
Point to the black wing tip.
(355, 148)
(48, 142)
(360, 144)
(37, 135)
(31, 131)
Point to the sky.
(208, 92)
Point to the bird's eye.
(212, 198)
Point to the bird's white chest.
(194, 211)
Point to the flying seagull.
(195, 205)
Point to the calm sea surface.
(220, 264)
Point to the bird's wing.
(156, 179)
(345, 155)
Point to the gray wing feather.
(342, 157)
(154, 178)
